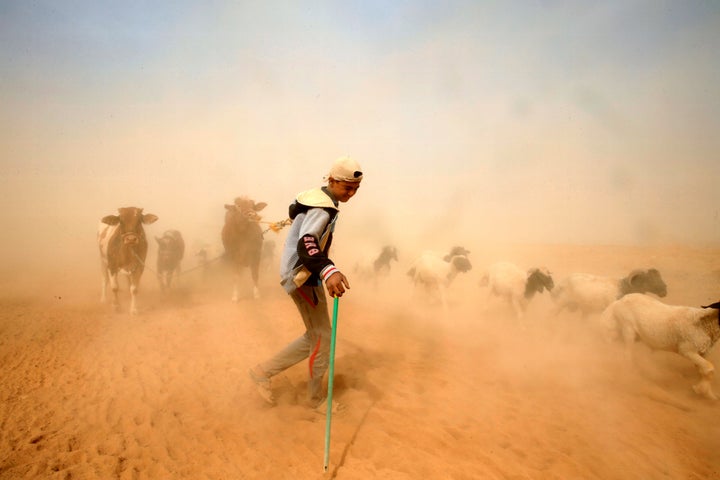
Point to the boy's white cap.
(345, 169)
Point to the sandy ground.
(88, 393)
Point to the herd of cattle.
(624, 304)
(124, 246)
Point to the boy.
(304, 267)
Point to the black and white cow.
(123, 248)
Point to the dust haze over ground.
(467, 392)
(577, 138)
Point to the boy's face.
(343, 191)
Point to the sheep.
(592, 294)
(457, 250)
(382, 262)
(370, 266)
(454, 251)
(688, 331)
(515, 285)
(436, 274)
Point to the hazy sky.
(537, 121)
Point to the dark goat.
(382, 262)
(171, 250)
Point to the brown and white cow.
(171, 250)
(242, 238)
(123, 248)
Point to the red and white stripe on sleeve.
(327, 271)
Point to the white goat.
(592, 294)
(689, 331)
(436, 274)
(517, 286)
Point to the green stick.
(331, 374)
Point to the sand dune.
(471, 392)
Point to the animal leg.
(236, 294)
(133, 297)
(488, 300)
(104, 283)
(443, 297)
(706, 370)
(115, 290)
(255, 274)
(236, 288)
(174, 273)
(517, 307)
(628, 334)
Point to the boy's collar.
(317, 197)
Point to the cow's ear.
(111, 220)
(229, 207)
(259, 206)
(149, 218)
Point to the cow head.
(244, 209)
(129, 221)
(169, 238)
(163, 242)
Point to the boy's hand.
(336, 284)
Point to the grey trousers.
(314, 344)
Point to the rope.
(202, 265)
(274, 226)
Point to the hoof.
(703, 388)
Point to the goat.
(592, 294)
(382, 262)
(688, 331)
(517, 286)
(434, 273)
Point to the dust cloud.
(577, 139)
(465, 391)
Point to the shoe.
(321, 407)
(262, 383)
